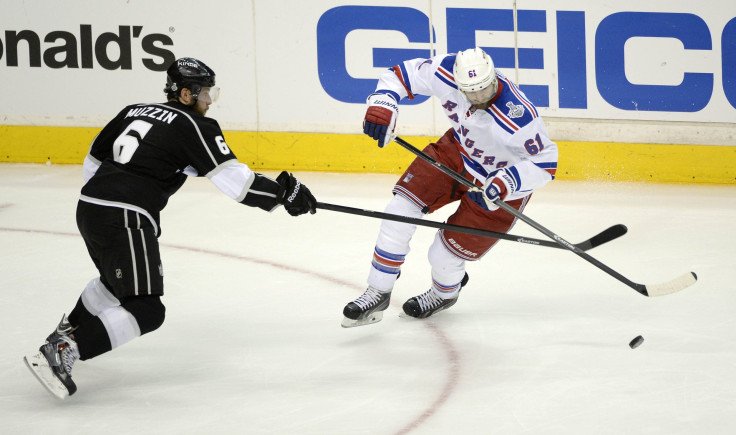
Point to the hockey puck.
(636, 342)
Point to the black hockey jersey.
(144, 155)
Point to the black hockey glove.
(295, 196)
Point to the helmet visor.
(484, 95)
(209, 95)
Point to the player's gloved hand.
(497, 186)
(380, 118)
(295, 196)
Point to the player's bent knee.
(446, 266)
(148, 311)
(97, 297)
(395, 236)
(439, 256)
(400, 205)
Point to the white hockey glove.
(498, 186)
(380, 118)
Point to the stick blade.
(680, 283)
(609, 234)
(604, 236)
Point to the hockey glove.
(380, 118)
(498, 186)
(295, 196)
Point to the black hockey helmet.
(190, 73)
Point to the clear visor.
(209, 95)
(484, 95)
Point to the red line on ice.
(453, 360)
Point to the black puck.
(636, 342)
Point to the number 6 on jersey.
(222, 145)
(126, 144)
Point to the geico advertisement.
(612, 60)
(308, 66)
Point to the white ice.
(252, 343)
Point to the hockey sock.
(92, 339)
(445, 291)
(392, 244)
(448, 269)
(385, 268)
(115, 326)
(79, 315)
(148, 311)
(93, 300)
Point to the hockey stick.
(672, 286)
(605, 236)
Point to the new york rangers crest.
(515, 111)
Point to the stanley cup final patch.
(515, 111)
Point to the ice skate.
(367, 309)
(64, 329)
(52, 366)
(429, 303)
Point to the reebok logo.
(62, 49)
(295, 192)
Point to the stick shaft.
(445, 226)
(559, 240)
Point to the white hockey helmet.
(474, 71)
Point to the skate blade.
(39, 366)
(403, 315)
(350, 323)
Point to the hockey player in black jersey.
(138, 160)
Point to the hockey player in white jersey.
(497, 140)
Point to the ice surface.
(252, 343)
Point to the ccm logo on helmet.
(63, 49)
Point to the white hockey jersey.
(510, 133)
